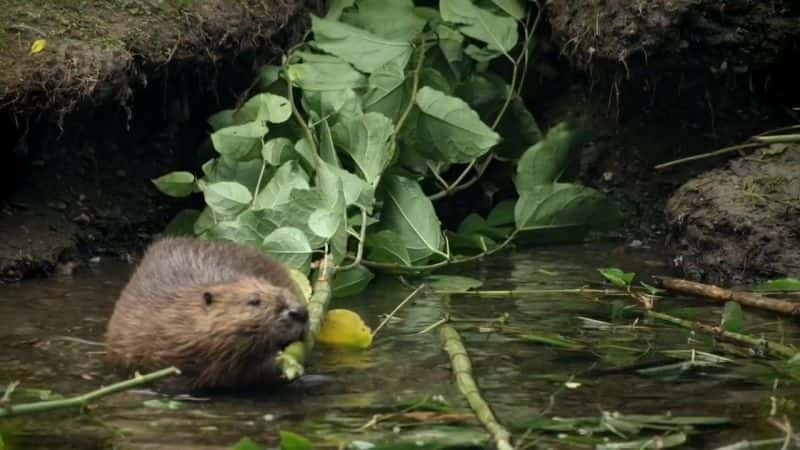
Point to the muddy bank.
(740, 222)
(119, 95)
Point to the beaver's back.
(172, 266)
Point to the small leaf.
(302, 283)
(239, 142)
(290, 246)
(163, 404)
(387, 246)
(732, 317)
(617, 276)
(652, 290)
(277, 151)
(246, 443)
(175, 184)
(502, 214)
(778, 285)
(545, 162)
(344, 328)
(499, 32)
(351, 282)
(451, 283)
(324, 223)
(325, 74)
(288, 177)
(38, 45)
(227, 197)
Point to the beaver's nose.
(298, 313)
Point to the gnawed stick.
(462, 371)
(717, 293)
(769, 346)
(8, 409)
(290, 361)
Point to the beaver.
(217, 310)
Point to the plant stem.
(721, 151)
(414, 86)
(258, 183)
(84, 399)
(361, 240)
(515, 292)
(299, 118)
(462, 371)
(290, 361)
(397, 308)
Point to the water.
(520, 379)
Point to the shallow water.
(346, 388)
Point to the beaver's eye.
(255, 301)
(208, 298)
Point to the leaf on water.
(175, 184)
(368, 141)
(732, 317)
(390, 19)
(344, 328)
(545, 162)
(451, 283)
(387, 246)
(239, 142)
(302, 283)
(449, 130)
(290, 246)
(38, 46)
(552, 340)
(499, 32)
(163, 404)
(288, 177)
(617, 276)
(246, 443)
(227, 197)
(778, 285)
(350, 282)
(364, 50)
(408, 212)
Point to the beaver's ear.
(208, 298)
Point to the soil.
(742, 221)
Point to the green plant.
(346, 146)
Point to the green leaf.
(617, 276)
(162, 404)
(246, 443)
(499, 32)
(290, 246)
(264, 108)
(390, 19)
(332, 106)
(227, 197)
(243, 229)
(475, 224)
(451, 283)
(450, 129)
(278, 151)
(324, 223)
(451, 43)
(225, 169)
(336, 8)
(732, 317)
(175, 184)
(268, 74)
(330, 75)
(183, 223)
(368, 140)
(502, 214)
(364, 50)
(514, 8)
(518, 128)
(356, 190)
(387, 246)
(291, 441)
(778, 285)
(546, 161)
(331, 188)
(563, 205)
(351, 282)
(408, 212)
(389, 91)
(239, 142)
(288, 177)
(652, 290)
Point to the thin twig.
(397, 308)
(721, 151)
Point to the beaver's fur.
(217, 310)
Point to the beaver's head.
(254, 313)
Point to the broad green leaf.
(288, 177)
(368, 140)
(434, 79)
(183, 223)
(242, 229)
(246, 443)
(452, 129)
(389, 91)
(546, 161)
(470, 242)
(617, 276)
(344, 328)
(563, 205)
(324, 223)
(227, 197)
(502, 214)
(356, 190)
(732, 317)
(451, 283)
(264, 108)
(485, 91)
(239, 142)
(175, 184)
(390, 19)
(351, 282)
(475, 224)
(331, 188)
(451, 43)
(387, 246)
(303, 148)
(162, 404)
(291, 441)
(268, 74)
(332, 105)
(514, 8)
(278, 151)
(333, 75)
(779, 285)
(225, 169)
(364, 50)
(499, 32)
(336, 8)
(290, 246)
(408, 212)
(327, 151)
(204, 221)
(222, 119)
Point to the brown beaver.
(217, 310)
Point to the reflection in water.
(346, 388)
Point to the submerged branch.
(7, 410)
(462, 371)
